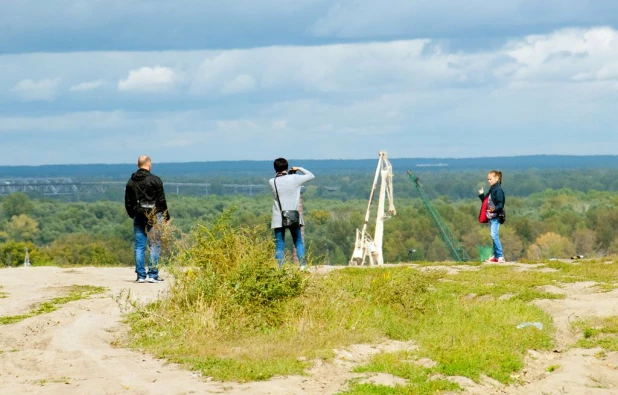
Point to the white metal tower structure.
(365, 246)
(27, 258)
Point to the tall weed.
(231, 272)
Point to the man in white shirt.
(286, 187)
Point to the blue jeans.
(140, 230)
(297, 237)
(494, 226)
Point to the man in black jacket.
(144, 200)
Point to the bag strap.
(135, 189)
(277, 195)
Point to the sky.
(104, 81)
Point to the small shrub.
(13, 253)
(232, 270)
(88, 249)
(551, 245)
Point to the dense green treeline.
(552, 223)
(454, 185)
(463, 184)
(192, 170)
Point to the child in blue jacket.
(495, 207)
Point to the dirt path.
(70, 351)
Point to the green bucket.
(485, 252)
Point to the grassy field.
(232, 315)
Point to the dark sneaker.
(155, 279)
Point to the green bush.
(87, 249)
(233, 271)
(14, 253)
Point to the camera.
(292, 171)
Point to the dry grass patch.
(74, 292)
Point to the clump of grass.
(599, 332)
(231, 271)
(75, 292)
(446, 263)
(401, 364)
(43, 382)
(496, 281)
(374, 389)
(604, 274)
(552, 368)
(416, 388)
(164, 233)
(11, 319)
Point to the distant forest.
(455, 179)
(197, 170)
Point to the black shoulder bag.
(502, 217)
(289, 218)
(143, 208)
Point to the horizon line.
(313, 159)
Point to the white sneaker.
(501, 260)
(140, 280)
(155, 279)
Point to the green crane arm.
(456, 249)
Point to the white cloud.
(242, 83)
(347, 69)
(280, 124)
(86, 86)
(413, 97)
(75, 121)
(160, 24)
(177, 143)
(571, 54)
(149, 79)
(568, 55)
(31, 90)
(328, 68)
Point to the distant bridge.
(67, 186)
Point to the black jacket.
(145, 187)
(497, 197)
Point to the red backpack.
(483, 213)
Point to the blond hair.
(497, 174)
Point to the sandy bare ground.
(70, 351)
